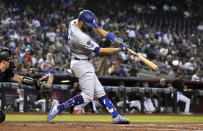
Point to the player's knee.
(187, 100)
(87, 98)
(43, 101)
(100, 93)
(119, 104)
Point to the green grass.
(107, 118)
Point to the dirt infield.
(90, 126)
(21, 122)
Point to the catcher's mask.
(9, 56)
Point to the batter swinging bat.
(149, 63)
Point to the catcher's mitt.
(45, 83)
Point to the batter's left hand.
(123, 47)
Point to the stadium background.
(167, 32)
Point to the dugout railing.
(4, 86)
(142, 91)
(124, 91)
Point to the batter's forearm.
(105, 34)
(110, 36)
(101, 32)
(109, 50)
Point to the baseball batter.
(82, 46)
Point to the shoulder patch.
(90, 44)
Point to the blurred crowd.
(38, 32)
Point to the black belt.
(75, 58)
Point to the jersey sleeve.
(89, 44)
(80, 41)
(93, 46)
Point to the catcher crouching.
(7, 66)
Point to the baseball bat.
(149, 63)
(146, 61)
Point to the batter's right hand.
(123, 47)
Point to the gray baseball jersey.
(82, 46)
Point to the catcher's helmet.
(5, 54)
(88, 18)
(8, 55)
(2, 117)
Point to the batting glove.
(123, 47)
(118, 41)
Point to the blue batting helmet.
(88, 18)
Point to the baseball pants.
(149, 107)
(181, 97)
(135, 104)
(88, 80)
